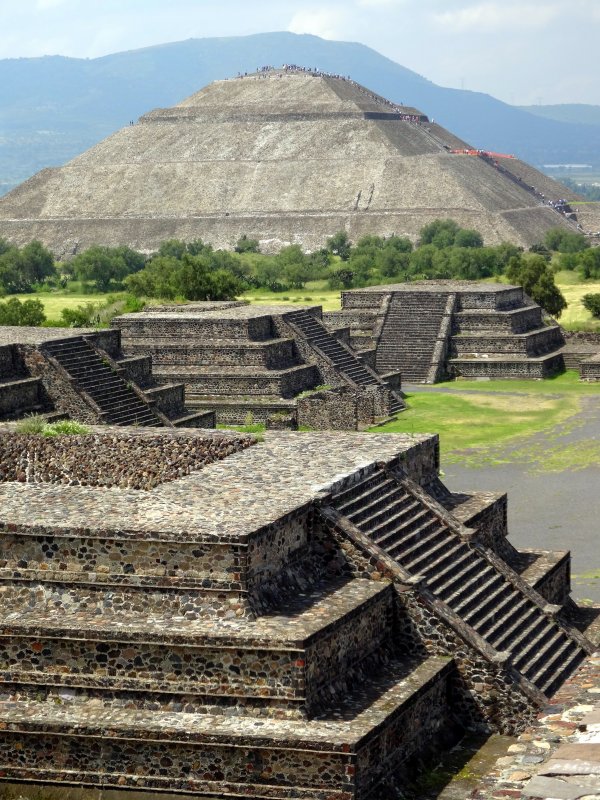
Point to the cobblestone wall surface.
(484, 690)
(58, 388)
(555, 586)
(17, 396)
(122, 560)
(179, 766)
(126, 460)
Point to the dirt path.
(553, 485)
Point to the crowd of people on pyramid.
(263, 72)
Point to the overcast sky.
(521, 51)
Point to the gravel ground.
(553, 510)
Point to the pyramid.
(283, 156)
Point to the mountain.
(568, 112)
(53, 108)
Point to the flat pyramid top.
(289, 91)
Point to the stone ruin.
(284, 157)
(84, 375)
(262, 363)
(311, 616)
(435, 330)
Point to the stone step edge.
(239, 730)
(200, 636)
(202, 789)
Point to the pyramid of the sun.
(282, 156)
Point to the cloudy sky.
(521, 51)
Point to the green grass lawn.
(55, 302)
(575, 316)
(476, 420)
(318, 293)
(314, 293)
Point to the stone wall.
(485, 695)
(343, 408)
(57, 386)
(18, 396)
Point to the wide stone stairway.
(410, 333)
(492, 601)
(343, 357)
(111, 393)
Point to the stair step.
(492, 580)
(494, 599)
(533, 647)
(471, 565)
(420, 564)
(547, 659)
(365, 515)
(523, 615)
(423, 537)
(401, 522)
(565, 668)
(448, 571)
(536, 625)
(356, 494)
(476, 574)
(507, 609)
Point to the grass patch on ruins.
(482, 423)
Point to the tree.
(440, 233)
(173, 248)
(537, 279)
(200, 277)
(340, 245)
(467, 237)
(592, 303)
(589, 263)
(28, 312)
(292, 266)
(565, 241)
(100, 266)
(37, 262)
(246, 245)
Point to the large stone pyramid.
(283, 156)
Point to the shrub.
(592, 303)
(28, 312)
(38, 425)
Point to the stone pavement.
(559, 757)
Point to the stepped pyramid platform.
(212, 616)
(284, 156)
(245, 359)
(82, 374)
(432, 330)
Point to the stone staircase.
(410, 333)
(510, 339)
(109, 391)
(342, 357)
(493, 602)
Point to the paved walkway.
(559, 757)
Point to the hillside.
(54, 108)
(580, 113)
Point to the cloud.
(44, 5)
(492, 17)
(320, 22)
(379, 3)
